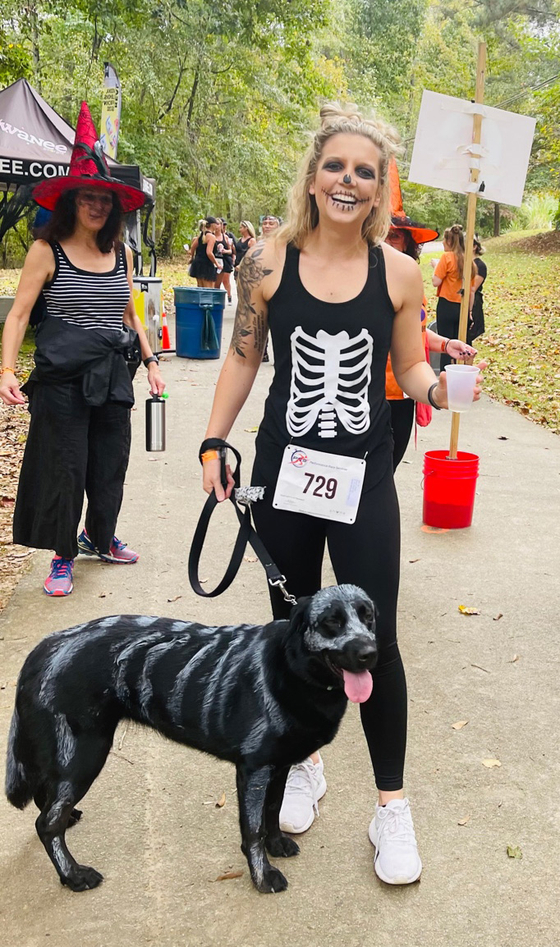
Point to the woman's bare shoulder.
(40, 256)
(264, 262)
(399, 264)
(41, 249)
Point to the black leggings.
(447, 315)
(366, 554)
(402, 419)
(71, 448)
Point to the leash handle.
(246, 534)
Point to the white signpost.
(444, 153)
(472, 149)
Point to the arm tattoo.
(250, 325)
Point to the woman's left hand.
(156, 382)
(439, 394)
(457, 349)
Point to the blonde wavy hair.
(250, 228)
(336, 119)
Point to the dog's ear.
(299, 615)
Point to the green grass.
(522, 313)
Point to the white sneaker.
(396, 861)
(305, 785)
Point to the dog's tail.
(18, 788)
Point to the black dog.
(263, 697)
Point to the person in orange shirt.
(448, 280)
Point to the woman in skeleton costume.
(336, 300)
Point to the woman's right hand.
(211, 480)
(9, 389)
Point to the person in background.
(247, 240)
(225, 250)
(269, 223)
(407, 237)
(332, 328)
(476, 325)
(204, 266)
(80, 391)
(448, 280)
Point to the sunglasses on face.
(90, 200)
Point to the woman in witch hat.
(80, 392)
(407, 237)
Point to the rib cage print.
(329, 384)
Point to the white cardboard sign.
(444, 152)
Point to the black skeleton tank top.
(328, 390)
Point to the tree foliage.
(218, 95)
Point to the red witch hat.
(419, 232)
(88, 168)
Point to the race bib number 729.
(319, 484)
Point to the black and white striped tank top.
(86, 299)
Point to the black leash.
(242, 506)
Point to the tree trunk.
(34, 25)
(496, 220)
(165, 243)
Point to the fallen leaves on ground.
(514, 851)
(14, 560)
(464, 821)
(522, 314)
(469, 610)
(221, 801)
(228, 875)
(491, 763)
(459, 725)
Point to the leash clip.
(280, 582)
(247, 495)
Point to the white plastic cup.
(461, 380)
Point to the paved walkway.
(151, 823)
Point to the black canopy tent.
(36, 143)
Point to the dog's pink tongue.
(358, 685)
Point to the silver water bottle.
(155, 423)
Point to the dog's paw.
(272, 881)
(282, 846)
(82, 878)
(75, 816)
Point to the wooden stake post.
(471, 215)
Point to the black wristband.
(212, 443)
(151, 358)
(431, 396)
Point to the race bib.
(319, 484)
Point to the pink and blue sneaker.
(59, 580)
(118, 551)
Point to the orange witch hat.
(420, 232)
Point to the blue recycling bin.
(199, 314)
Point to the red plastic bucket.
(449, 487)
